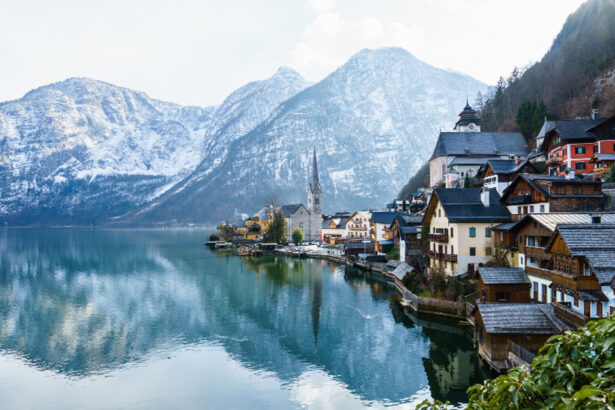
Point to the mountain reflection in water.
(83, 303)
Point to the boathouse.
(502, 285)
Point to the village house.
(358, 249)
(508, 334)
(532, 193)
(577, 269)
(571, 144)
(405, 232)
(467, 148)
(295, 216)
(358, 225)
(334, 227)
(460, 225)
(602, 165)
(502, 285)
(499, 173)
(380, 222)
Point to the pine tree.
(277, 231)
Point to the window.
(452, 250)
(595, 149)
(518, 209)
(564, 152)
(562, 168)
(452, 233)
(439, 212)
(559, 189)
(580, 165)
(472, 232)
(587, 272)
(502, 296)
(501, 236)
(531, 208)
(579, 150)
(488, 251)
(472, 251)
(576, 302)
(542, 208)
(487, 232)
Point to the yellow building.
(461, 222)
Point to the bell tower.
(314, 203)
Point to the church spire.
(314, 179)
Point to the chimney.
(595, 114)
(596, 219)
(484, 196)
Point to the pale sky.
(198, 51)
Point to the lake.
(102, 318)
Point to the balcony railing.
(570, 316)
(442, 256)
(438, 237)
(536, 252)
(564, 279)
(554, 160)
(520, 199)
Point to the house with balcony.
(499, 173)
(461, 222)
(533, 193)
(405, 232)
(571, 144)
(358, 225)
(380, 222)
(579, 270)
(602, 165)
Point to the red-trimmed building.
(571, 144)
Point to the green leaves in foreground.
(573, 370)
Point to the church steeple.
(314, 184)
(314, 204)
(468, 120)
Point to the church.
(309, 219)
(466, 149)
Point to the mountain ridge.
(381, 106)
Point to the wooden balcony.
(442, 256)
(554, 160)
(537, 253)
(565, 279)
(520, 199)
(569, 316)
(438, 237)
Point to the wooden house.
(499, 173)
(581, 269)
(405, 232)
(602, 165)
(503, 328)
(355, 249)
(531, 193)
(380, 222)
(502, 285)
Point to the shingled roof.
(520, 318)
(552, 219)
(480, 144)
(499, 276)
(534, 180)
(384, 217)
(594, 242)
(464, 205)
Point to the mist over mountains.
(86, 152)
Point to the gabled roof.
(594, 242)
(498, 276)
(288, 210)
(480, 144)
(464, 205)
(506, 166)
(551, 220)
(534, 179)
(604, 157)
(384, 217)
(578, 129)
(520, 318)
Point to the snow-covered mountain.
(83, 151)
(374, 121)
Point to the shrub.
(412, 281)
(297, 236)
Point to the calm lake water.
(153, 319)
